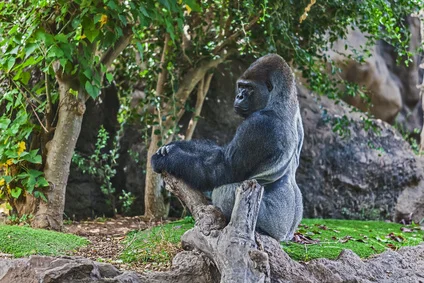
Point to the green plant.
(18, 166)
(127, 199)
(101, 164)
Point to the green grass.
(158, 244)
(365, 238)
(23, 241)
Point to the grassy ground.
(23, 241)
(325, 238)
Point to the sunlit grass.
(23, 241)
(365, 238)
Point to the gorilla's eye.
(269, 86)
(245, 85)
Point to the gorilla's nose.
(240, 96)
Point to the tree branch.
(234, 36)
(233, 249)
(113, 52)
(202, 90)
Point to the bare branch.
(202, 90)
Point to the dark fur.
(265, 147)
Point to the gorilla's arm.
(260, 149)
(201, 164)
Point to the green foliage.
(24, 241)
(101, 164)
(72, 34)
(328, 237)
(17, 173)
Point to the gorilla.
(266, 147)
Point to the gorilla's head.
(267, 80)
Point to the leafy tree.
(56, 55)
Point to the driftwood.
(215, 252)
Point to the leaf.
(29, 49)
(109, 77)
(13, 30)
(39, 194)
(32, 157)
(16, 192)
(61, 38)
(92, 90)
(193, 5)
(25, 76)
(91, 34)
(10, 63)
(55, 52)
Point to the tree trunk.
(154, 202)
(59, 155)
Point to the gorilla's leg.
(223, 197)
(277, 214)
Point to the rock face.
(359, 175)
(391, 86)
(83, 195)
(61, 270)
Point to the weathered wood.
(232, 249)
(208, 218)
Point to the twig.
(236, 34)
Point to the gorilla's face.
(251, 96)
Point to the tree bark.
(154, 202)
(59, 155)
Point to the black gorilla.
(266, 147)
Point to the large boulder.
(358, 173)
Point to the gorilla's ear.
(269, 85)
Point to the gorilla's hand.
(161, 158)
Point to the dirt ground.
(105, 236)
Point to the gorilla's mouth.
(242, 111)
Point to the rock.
(410, 204)
(402, 266)
(83, 195)
(61, 270)
(356, 176)
(391, 85)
